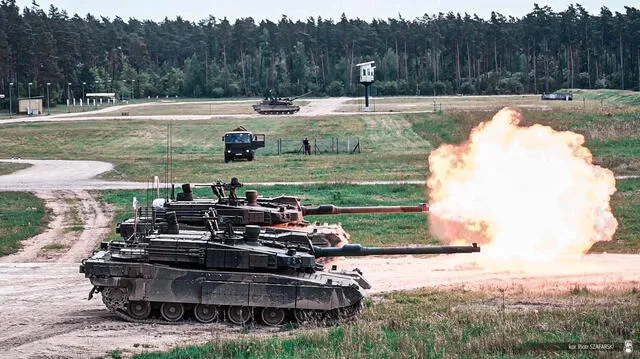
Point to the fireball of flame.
(525, 193)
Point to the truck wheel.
(226, 159)
(250, 158)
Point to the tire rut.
(78, 223)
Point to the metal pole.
(29, 107)
(48, 103)
(83, 98)
(366, 97)
(68, 97)
(10, 100)
(133, 83)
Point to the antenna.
(166, 166)
(171, 156)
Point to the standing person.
(307, 146)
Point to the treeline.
(430, 55)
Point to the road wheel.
(239, 315)
(273, 316)
(205, 313)
(172, 312)
(139, 310)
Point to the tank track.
(113, 300)
(277, 112)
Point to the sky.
(194, 10)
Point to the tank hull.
(299, 295)
(280, 109)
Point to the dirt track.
(45, 312)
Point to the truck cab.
(241, 145)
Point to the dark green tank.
(272, 105)
(273, 215)
(213, 275)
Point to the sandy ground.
(46, 314)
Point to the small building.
(32, 106)
(366, 72)
(98, 97)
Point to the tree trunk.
(495, 55)
(535, 70)
(572, 65)
(406, 66)
(458, 65)
(244, 78)
(397, 63)
(468, 64)
(621, 62)
(589, 67)
(324, 82)
(546, 67)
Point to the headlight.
(228, 151)
(247, 151)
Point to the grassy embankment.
(10, 167)
(22, 215)
(453, 323)
(390, 148)
(394, 147)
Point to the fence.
(319, 146)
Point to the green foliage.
(10, 167)
(22, 215)
(336, 88)
(539, 52)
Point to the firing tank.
(219, 274)
(272, 105)
(273, 214)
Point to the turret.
(253, 250)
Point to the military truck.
(241, 144)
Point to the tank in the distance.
(219, 274)
(272, 105)
(272, 214)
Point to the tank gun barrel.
(356, 250)
(304, 94)
(331, 209)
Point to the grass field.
(196, 108)
(453, 323)
(583, 101)
(390, 148)
(399, 228)
(10, 167)
(394, 147)
(22, 215)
